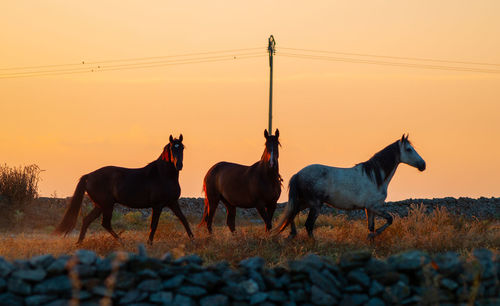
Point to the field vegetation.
(26, 227)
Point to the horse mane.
(385, 160)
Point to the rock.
(42, 261)
(449, 284)
(397, 293)
(376, 288)
(84, 270)
(277, 296)
(319, 297)
(216, 299)
(35, 275)
(9, 299)
(409, 261)
(206, 279)
(359, 276)
(193, 291)
(375, 302)
(18, 286)
(253, 263)
(5, 267)
(150, 285)
(353, 288)
(313, 261)
(147, 274)
(297, 295)
(258, 298)
(182, 300)
(167, 258)
(141, 250)
(59, 284)
(324, 284)
(133, 296)
(86, 257)
(57, 266)
(189, 259)
(250, 286)
(174, 282)
(125, 280)
(3, 284)
(162, 297)
(39, 299)
(359, 299)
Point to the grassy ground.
(438, 232)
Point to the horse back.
(133, 187)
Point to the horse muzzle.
(178, 166)
(421, 166)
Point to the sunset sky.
(329, 112)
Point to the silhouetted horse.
(363, 186)
(155, 185)
(236, 185)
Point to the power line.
(394, 57)
(128, 67)
(386, 63)
(130, 59)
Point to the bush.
(19, 185)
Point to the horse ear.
(171, 138)
(403, 138)
(266, 134)
(181, 138)
(277, 133)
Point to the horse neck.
(385, 162)
(263, 164)
(166, 167)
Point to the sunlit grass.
(434, 233)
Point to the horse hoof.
(371, 237)
(150, 242)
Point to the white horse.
(363, 186)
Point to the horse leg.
(311, 219)
(155, 217)
(370, 220)
(270, 213)
(379, 212)
(178, 212)
(94, 214)
(106, 221)
(231, 217)
(263, 213)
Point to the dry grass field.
(434, 233)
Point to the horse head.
(271, 153)
(408, 155)
(173, 152)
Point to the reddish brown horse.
(256, 186)
(155, 185)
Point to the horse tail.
(205, 207)
(71, 215)
(293, 206)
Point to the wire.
(130, 59)
(394, 57)
(119, 67)
(385, 63)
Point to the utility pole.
(271, 50)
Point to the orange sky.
(327, 112)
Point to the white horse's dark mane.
(382, 163)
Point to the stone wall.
(355, 279)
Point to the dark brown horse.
(258, 185)
(155, 185)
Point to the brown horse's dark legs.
(270, 213)
(231, 217)
(178, 212)
(212, 206)
(94, 214)
(293, 229)
(106, 222)
(154, 223)
(263, 213)
(384, 215)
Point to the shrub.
(19, 185)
